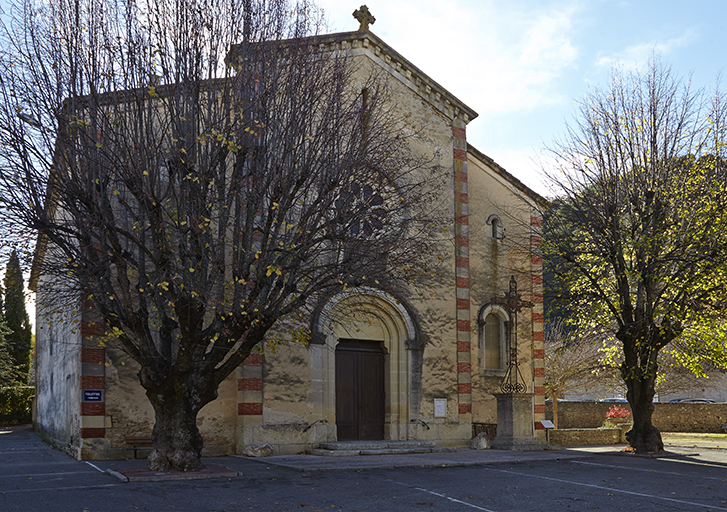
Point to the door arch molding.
(368, 314)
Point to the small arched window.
(497, 230)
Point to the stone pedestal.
(515, 423)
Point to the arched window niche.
(497, 230)
(494, 338)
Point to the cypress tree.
(7, 370)
(19, 334)
(8, 373)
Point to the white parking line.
(95, 467)
(33, 475)
(609, 489)
(77, 487)
(647, 470)
(17, 452)
(698, 463)
(440, 495)
(453, 499)
(45, 464)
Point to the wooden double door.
(360, 397)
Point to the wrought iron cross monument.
(513, 382)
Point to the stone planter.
(625, 427)
(623, 424)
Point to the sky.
(523, 65)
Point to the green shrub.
(15, 404)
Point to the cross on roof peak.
(363, 15)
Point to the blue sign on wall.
(92, 395)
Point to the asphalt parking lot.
(35, 477)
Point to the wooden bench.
(139, 443)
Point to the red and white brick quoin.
(536, 268)
(462, 258)
(93, 376)
(250, 391)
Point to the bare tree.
(573, 363)
(640, 232)
(675, 378)
(201, 171)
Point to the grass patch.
(694, 435)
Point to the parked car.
(614, 399)
(690, 400)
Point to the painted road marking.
(95, 467)
(609, 489)
(651, 470)
(440, 495)
(74, 488)
(63, 473)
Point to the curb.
(146, 475)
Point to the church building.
(379, 366)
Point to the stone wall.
(58, 369)
(584, 436)
(678, 417)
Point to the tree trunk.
(176, 438)
(643, 437)
(555, 410)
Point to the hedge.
(16, 404)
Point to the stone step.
(355, 448)
(386, 451)
(333, 453)
(375, 445)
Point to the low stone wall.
(684, 417)
(584, 436)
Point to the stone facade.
(436, 382)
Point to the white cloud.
(527, 69)
(493, 56)
(635, 57)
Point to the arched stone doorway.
(373, 335)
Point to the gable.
(365, 43)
